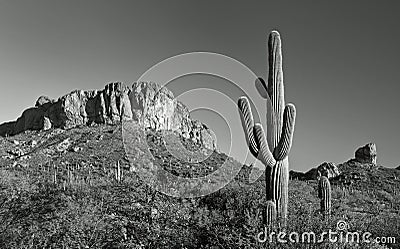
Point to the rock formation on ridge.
(148, 103)
(328, 169)
(366, 154)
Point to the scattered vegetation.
(89, 206)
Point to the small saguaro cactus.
(118, 172)
(324, 193)
(54, 174)
(272, 150)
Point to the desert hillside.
(74, 187)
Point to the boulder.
(32, 143)
(46, 123)
(366, 154)
(64, 145)
(42, 100)
(327, 169)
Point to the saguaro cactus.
(54, 174)
(324, 193)
(272, 150)
(118, 173)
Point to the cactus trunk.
(270, 213)
(324, 193)
(272, 150)
(278, 180)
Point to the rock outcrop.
(365, 158)
(148, 103)
(155, 107)
(366, 154)
(328, 169)
(79, 107)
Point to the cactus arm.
(248, 123)
(261, 87)
(285, 142)
(275, 86)
(264, 155)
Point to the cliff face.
(107, 106)
(147, 103)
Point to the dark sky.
(341, 62)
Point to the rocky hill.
(147, 103)
(75, 188)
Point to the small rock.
(46, 124)
(76, 149)
(64, 145)
(32, 143)
(16, 142)
(154, 212)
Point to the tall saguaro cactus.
(272, 150)
(324, 193)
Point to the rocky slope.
(59, 189)
(147, 103)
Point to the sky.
(340, 61)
